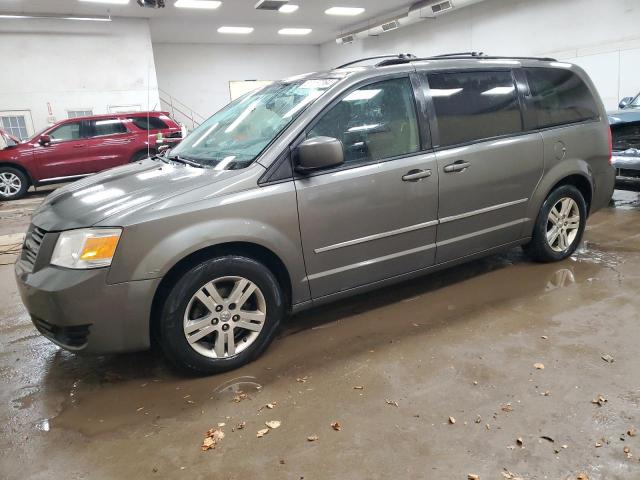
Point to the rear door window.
(107, 126)
(559, 97)
(474, 105)
(151, 123)
(375, 122)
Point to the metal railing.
(179, 111)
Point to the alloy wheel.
(224, 317)
(563, 224)
(10, 184)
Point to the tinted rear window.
(474, 105)
(151, 123)
(559, 97)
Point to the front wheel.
(221, 314)
(560, 225)
(13, 183)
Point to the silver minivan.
(312, 189)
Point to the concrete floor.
(460, 343)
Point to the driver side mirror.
(625, 102)
(45, 140)
(163, 149)
(318, 153)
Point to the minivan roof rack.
(403, 58)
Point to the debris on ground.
(358, 387)
(582, 476)
(391, 402)
(538, 366)
(510, 475)
(239, 426)
(507, 408)
(282, 461)
(302, 379)
(262, 432)
(212, 438)
(608, 358)
(544, 337)
(478, 419)
(269, 406)
(627, 452)
(547, 438)
(239, 397)
(312, 438)
(546, 393)
(632, 432)
(336, 426)
(600, 400)
(520, 442)
(273, 424)
(452, 420)
(473, 476)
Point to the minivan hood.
(121, 190)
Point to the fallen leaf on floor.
(626, 450)
(140, 409)
(507, 408)
(261, 433)
(302, 379)
(273, 424)
(582, 476)
(336, 426)
(240, 396)
(312, 438)
(539, 366)
(544, 337)
(358, 387)
(510, 476)
(221, 424)
(478, 419)
(452, 420)
(608, 358)
(600, 400)
(211, 439)
(632, 432)
(241, 425)
(519, 441)
(270, 406)
(473, 476)
(546, 393)
(598, 445)
(391, 402)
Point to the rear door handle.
(415, 175)
(458, 166)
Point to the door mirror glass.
(44, 140)
(624, 103)
(318, 153)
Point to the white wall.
(602, 37)
(198, 75)
(75, 65)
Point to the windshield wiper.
(186, 161)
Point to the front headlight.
(86, 248)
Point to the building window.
(15, 125)
(79, 113)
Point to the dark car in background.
(625, 134)
(77, 147)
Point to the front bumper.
(79, 311)
(627, 169)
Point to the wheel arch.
(21, 168)
(246, 249)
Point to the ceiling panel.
(172, 24)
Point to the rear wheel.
(13, 183)
(560, 225)
(221, 314)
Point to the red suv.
(78, 147)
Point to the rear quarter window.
(559, 97)
(151, 123)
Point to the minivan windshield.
(234, 137)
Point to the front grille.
(32, 244)
(71, 338)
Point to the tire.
(200, 305)
(13, 183)
(547, 243)
(141, 156)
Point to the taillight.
(610, 146)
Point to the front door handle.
(459, 166)
(415, 175)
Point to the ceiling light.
(294, 31)
(348, 11)
(10, 16)
(202, 4)
(288, 8)
(239, 30)
(112, 2)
